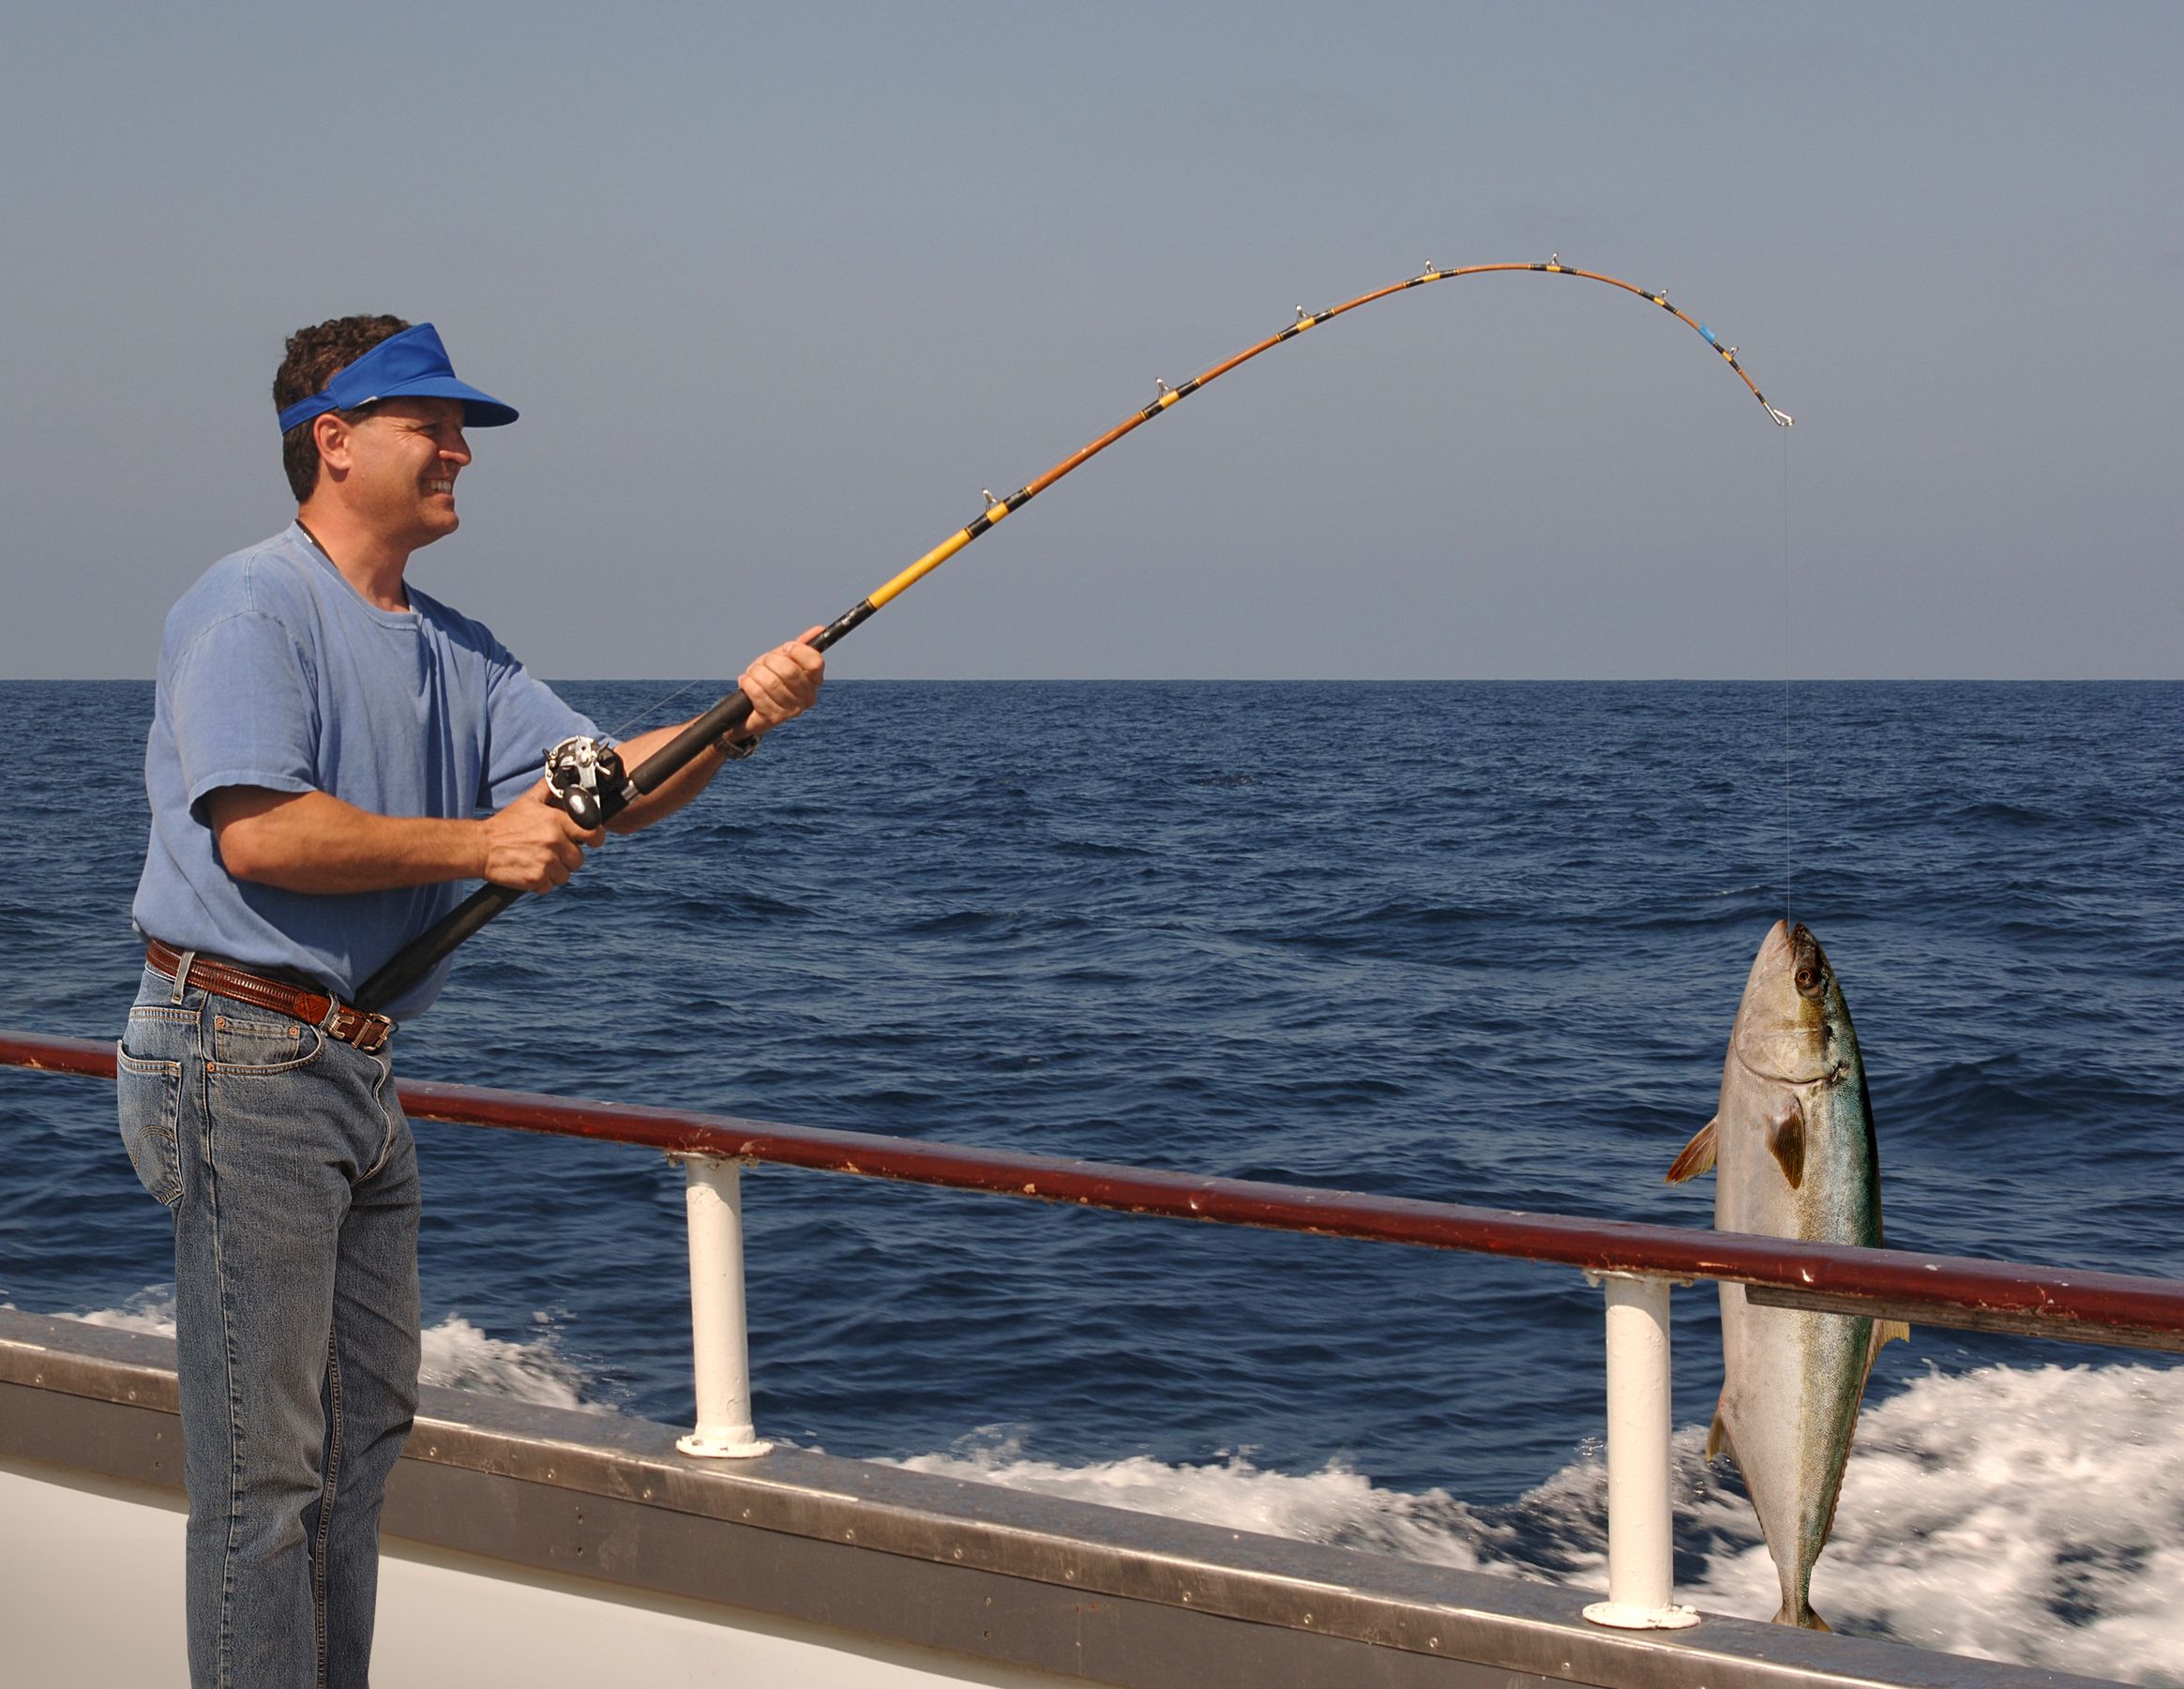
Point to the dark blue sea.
(1472, 941)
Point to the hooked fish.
(1791, 1147)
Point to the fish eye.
(1810, 981)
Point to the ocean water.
(1472, 941)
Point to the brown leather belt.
(352, 1025)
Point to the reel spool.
(581, 772)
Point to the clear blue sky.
(779, 290)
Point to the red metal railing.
(2106, 1308)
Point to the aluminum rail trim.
(2059, 1303)
(880, 1550)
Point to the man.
(333, 752)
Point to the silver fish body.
(1793, 1152)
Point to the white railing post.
(720, 1337)
(1641, 1533)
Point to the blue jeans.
(293, 1180)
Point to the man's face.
(403, 458)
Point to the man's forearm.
(670, 795)
(312, 841)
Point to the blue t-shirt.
(275, 672)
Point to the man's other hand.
(783, 684)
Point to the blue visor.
(410, 364)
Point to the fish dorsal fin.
(1787, 1141)
(1697, 1157)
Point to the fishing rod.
(588, 780)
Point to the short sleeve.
(243, 711)
(525, 720)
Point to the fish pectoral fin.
(1887, 1330)
(1787, 1140)
(1697, 1157)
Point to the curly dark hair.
(315, 355)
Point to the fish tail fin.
(1797, 1613)
(1697, 1157)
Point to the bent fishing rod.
(588, 778)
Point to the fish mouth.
(1795, 951)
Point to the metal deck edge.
(1082, 1549)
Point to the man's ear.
(331, 434)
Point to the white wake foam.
(1336, 1505)
(2028, 1513)
(456, 1354)
(460, 1356)
(2032, 1515)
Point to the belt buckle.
(378, 1030)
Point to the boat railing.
(1636, 1263)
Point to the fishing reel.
(580, 773)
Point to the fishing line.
(606, 789)
(1788, 833)
(653, 708)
